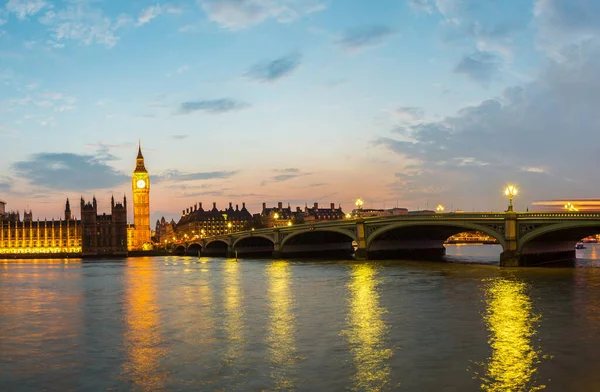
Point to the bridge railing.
(425, 217)
(559, 215)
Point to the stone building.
(195, 222)
(104, 234)
(284, 216)
(60, 237)
(165, 232)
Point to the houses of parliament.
(93, 234)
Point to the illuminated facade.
(195, 222)
(583, 205)
(140, 182)
(18, 237)
(92, 235)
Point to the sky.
(408, 103)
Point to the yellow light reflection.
(142, 336)
(234, 311)
(367, 333)
(282, 326)
(511, 324)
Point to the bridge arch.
(258, 245)
(318, 242)
(558, 236)
(179, 250)
(216, 247)
(451, 227)
(247, 237)
(193, 249)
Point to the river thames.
(209, 324)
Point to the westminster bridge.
(526, 238)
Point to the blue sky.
(414, 102)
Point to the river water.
(188, 324)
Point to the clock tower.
(141, 202)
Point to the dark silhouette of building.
(104, 234)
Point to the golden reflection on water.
(511, 326)
(282, 326)
(234, 312)
(142, 338)
(367, 331)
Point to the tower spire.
(139, 162)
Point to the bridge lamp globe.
(359, 203)
(510, 191)
(439, 208)
(348, 216)
(289, 223)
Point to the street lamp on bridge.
(439, 208)
(358, 203)
(510, 191)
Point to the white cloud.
(24, 8)
(148, 14)
(79, 21)
(238, 14)
(183, 69)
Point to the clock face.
(141, 184)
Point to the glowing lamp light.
(570, 207)
(359, 203)
(289, 223)
(439, 208)
(510, 191)
(348, 216)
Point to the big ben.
(141, 202)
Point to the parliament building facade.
(93, 235)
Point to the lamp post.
(439, 208)
(229, 227)
(510, 191)
(275, 217)
(359, 204)
(348, 215)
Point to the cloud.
(286, 174)
(179, 137)
(361, 37)
(24, 8)
(239, 14)
(67, 171)
(47, 99)
(80, 21)
(214, 106)
(479, 66)
(421, 5)
(148, 14)
(563, 22)
(408, 114)
(274, 70)
(182, 69)
(541, 134)
(176, 175)
(5, 184)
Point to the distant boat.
(579, 245)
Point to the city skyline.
(409, 103)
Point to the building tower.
(68, 215)
(141, 202)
